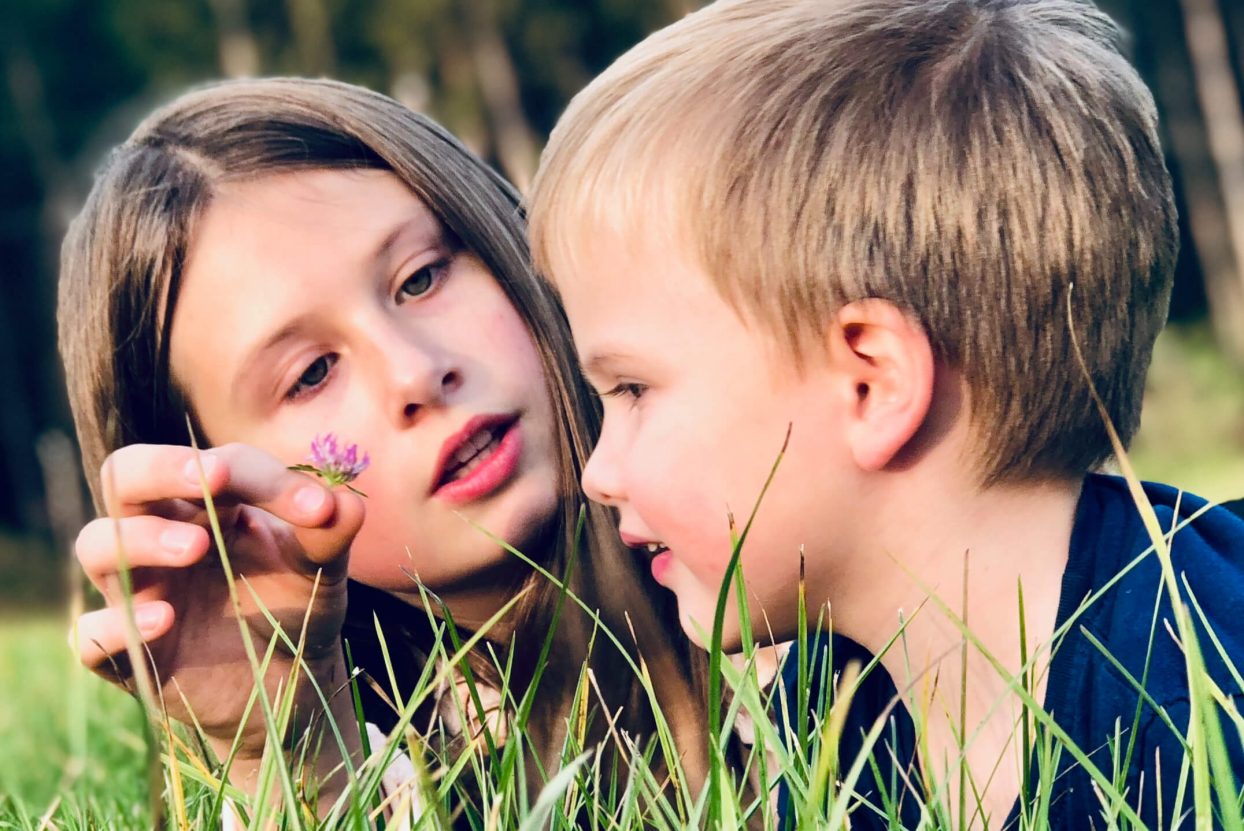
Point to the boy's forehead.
(602, 265)
(625, 294)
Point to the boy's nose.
(600, 477)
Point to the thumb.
(328, 544)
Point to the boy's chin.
(701, 634)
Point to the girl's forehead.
(312, 191)
(309, 217)
(271, 251)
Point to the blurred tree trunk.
(312, 36)
(35, 128)
(236, 45)
(1219, 95)
(456, 101)
(498, 82)
(1176, 91)
(678, 9)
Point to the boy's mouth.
(641, 543)
(659, 552)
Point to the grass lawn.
(72, 743)
(74, 751)
(1192, 425)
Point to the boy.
(889, 225)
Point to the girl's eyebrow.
(249, 364)
(424, 225)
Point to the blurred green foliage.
(79, 74)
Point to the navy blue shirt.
(1089, 696)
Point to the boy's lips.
(662, 559)
(478, 459)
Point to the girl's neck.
(477, 600)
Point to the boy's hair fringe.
(967, 160)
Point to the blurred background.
(78, 74)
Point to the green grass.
(1192, 424)
(71, 742)
(76, 755)
(76, 751)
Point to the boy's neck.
(942, 552)
(927, 546)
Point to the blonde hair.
(127, 249)
(967, 160)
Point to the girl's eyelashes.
(312, 377)
(424, 279)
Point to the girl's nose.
(418, 373)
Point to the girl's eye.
(312, 377)
(629, 390)
(423, 280)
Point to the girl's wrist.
(326, 732)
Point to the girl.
(283, 258)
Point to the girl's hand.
(280, 528)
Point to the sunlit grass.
(71, 743)
(1192, 424)
(76, 751)
(82, 763)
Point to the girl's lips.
(491, 471)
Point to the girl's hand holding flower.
(287, 539)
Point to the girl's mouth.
(478, 459)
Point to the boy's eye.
(311, 377)
(631, 390)
(423, 280)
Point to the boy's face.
(697, 404)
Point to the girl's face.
(335, 301)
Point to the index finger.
(323, 521)
(137, 475)
(140, 475)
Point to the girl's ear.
(887, 367)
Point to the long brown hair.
(121, 271)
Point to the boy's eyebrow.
(599, 363)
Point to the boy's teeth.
(655, 548)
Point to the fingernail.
(310, 498)
(176, 542)
(191, 469)
(148, 617)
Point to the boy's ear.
(887, 365)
